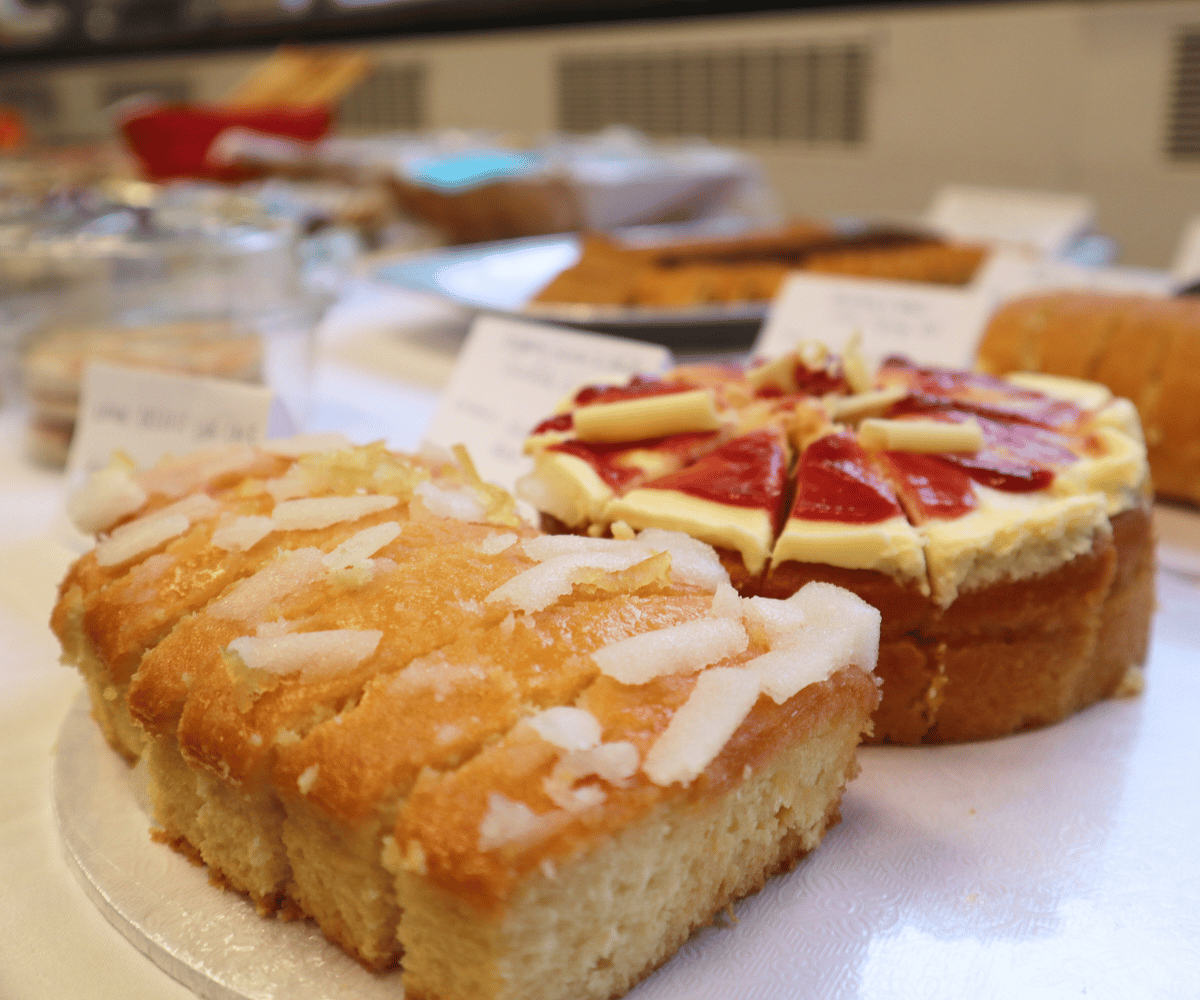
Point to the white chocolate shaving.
(851, 409)
(1090, 395)
(928, 436)
(679, 649)
(311, 654)
(854, 366)
(702, 725)
(320, 512)
(648, 417)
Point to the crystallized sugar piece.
(298, 481)
(434, 673)
(106, 497)
(252, 597)
(308, 778)
(702, 725)
(493, 545)
(614, 762)
(306, 444)
(692, 561)
(726, 603)
(142, 579)
(177, 476)
(679, 649)
(311, 654)
(459, 503)
(507, 822)
(197, 507)
(243, 533)
(572, 799)
(546, 547)
(831, 629)
(567, 728)
(311, 513)
(362, 545)
(139, 536)
(773, 621)
(280, 626)
(540, 586)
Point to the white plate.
(502, 277)
(1051, 864)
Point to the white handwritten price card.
(1046, 221)
(925, 322)
(510, 375)
(1185, 268)
(147, 414)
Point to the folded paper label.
(925, 322)
(510, 374)
(147, 414)
(1048, 222)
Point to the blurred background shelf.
(855, 111)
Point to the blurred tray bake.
(668, 285)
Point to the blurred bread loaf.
(1144, 349)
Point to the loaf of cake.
(522, 765)
(1003, 531)
(1144, 349)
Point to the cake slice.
(398, 654)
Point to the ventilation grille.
(390, 97)
(1183, 131)
(167, 91)
(814, 93)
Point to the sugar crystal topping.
(106, 497)
(243, 533)
(311, 654)
(567, 728)
(701, 726)
(509, 822)
(459, 503)
(678, 649)
(311, 513)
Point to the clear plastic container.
(175, 288)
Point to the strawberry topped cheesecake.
(1001, 526)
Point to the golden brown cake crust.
(443, 813)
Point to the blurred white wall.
(1067, 96)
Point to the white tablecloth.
(383, 357)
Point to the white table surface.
(1092, 889)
